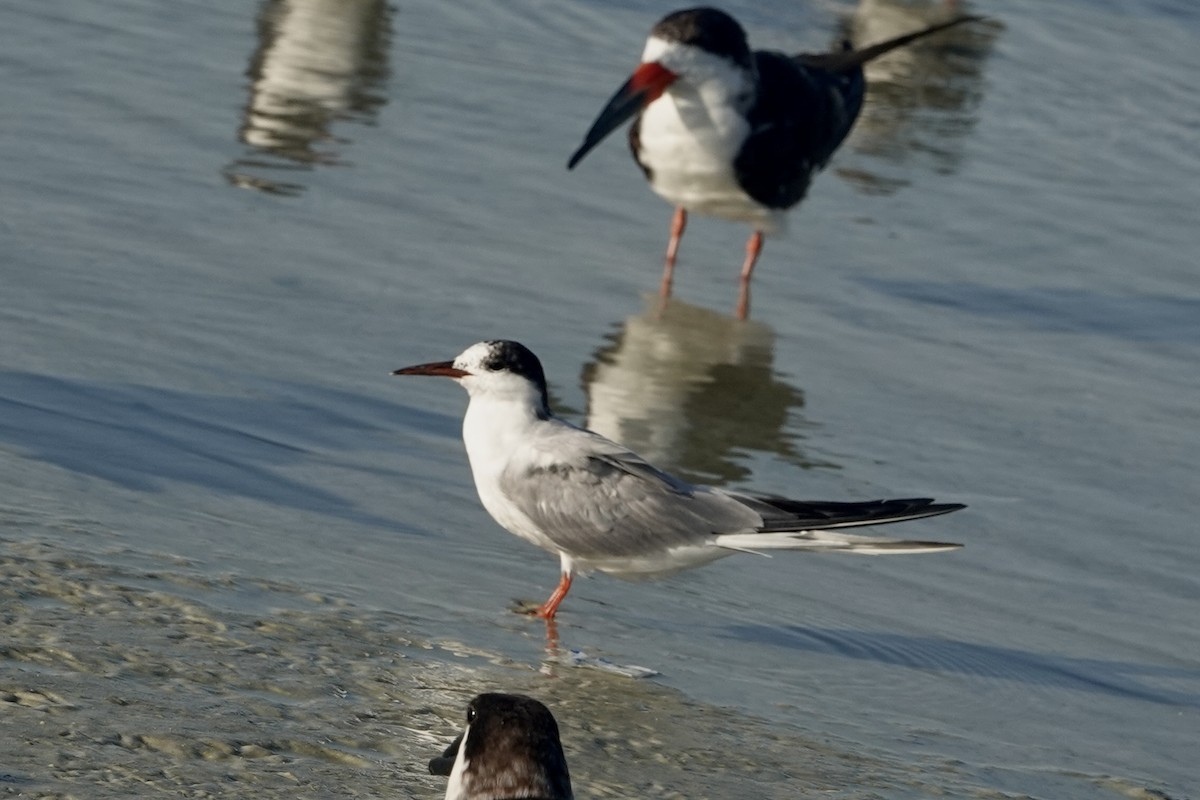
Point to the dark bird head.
(691, 46)
(510, 749)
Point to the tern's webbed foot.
(527, 607)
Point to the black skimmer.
(730, 132)
(599, 506)
(509, 749)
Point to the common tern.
(509, 749)
(734, 133)
(600, 506)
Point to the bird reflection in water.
(922, 100)
(694, 392)
(317, 62)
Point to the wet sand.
(122, 681)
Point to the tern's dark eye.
(470, 714)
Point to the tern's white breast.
(497, 434)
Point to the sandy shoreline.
(118, 680)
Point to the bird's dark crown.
(504, 355)
(709, 29)
(508, 356)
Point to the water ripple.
(1122, 678)
(141, 436)
(1132, 316)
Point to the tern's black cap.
(514, 357)
(505, 355)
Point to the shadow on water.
(140, 437)
(922, 100)
(980, 660)
(694, 391)
(317, 62)
(1134, 317)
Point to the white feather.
(456, 788)
(826, 541)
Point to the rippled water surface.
(238, 557)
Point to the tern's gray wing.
(596, 500)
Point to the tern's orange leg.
(754, 247)
(678, 224)
(548, 609)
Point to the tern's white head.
(510, 749)
(498, 370)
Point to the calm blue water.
(223, 227)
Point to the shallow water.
(239, 556)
